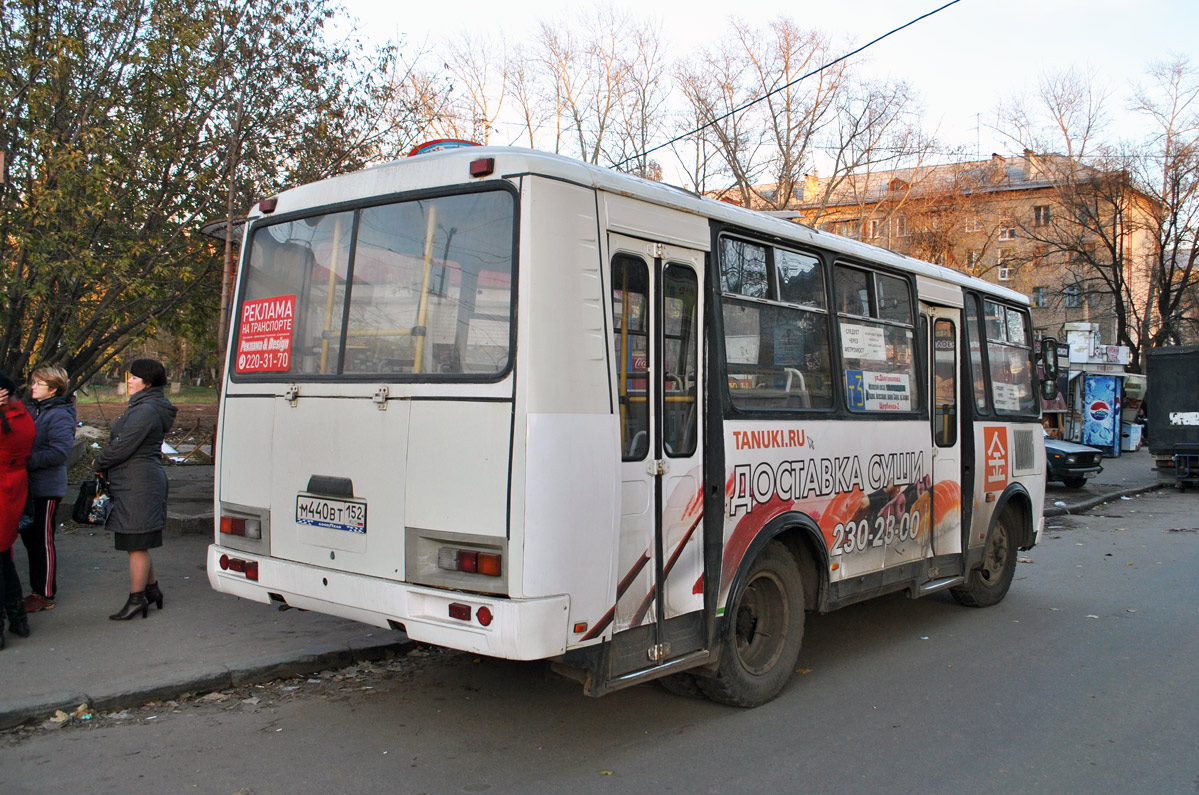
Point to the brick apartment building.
(1006, 220)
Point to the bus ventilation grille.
(1024, 458)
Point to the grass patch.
(109, 394)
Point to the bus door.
(657, 334)
(945, 327)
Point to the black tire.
(763, 632)
(989, 583)
(683, 684)
(1074, 483)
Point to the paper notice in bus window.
(1007, 397)
(487, 333)
(742, 348)
(863, 342)
(264, 335)
(886, 391)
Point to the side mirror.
(1049, 368)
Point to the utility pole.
(227, 271)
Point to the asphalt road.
(1083, 680)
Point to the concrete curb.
(307, 661)
(1086, 505)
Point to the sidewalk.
(203, 640)
(1131, 473)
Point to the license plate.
(332, 514)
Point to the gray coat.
(132, 461)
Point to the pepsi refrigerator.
(1101, 413)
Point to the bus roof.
(452, 166)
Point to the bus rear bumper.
(427, 614)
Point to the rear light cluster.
(246, 567)
(241, 526)
(461, 612)
(470, 561)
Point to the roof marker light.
(482, 167)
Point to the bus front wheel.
(763, 634)
(989, 583)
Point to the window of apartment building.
(1007, 233)
(974, 224)
(901, 226)
(1040, 215)
(1073, 296)
(851, 228)
(1037, 297)
(874, 229)
(973, 256)
(1005, 266)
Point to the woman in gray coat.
(132, 462)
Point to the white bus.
(530, 408)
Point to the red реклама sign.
(264, 335)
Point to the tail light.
(246, 527)
(246, 567)
(489, 564)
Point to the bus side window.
(878, 341)
(630, 306)
(945, 426)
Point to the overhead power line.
(768, 94)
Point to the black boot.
(17, 620)
(154, 594)
(136, 604)
(1, 631)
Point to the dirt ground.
(195, 424)
(101, 415)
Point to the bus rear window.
(414, 290)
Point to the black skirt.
(137, 542)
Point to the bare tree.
(479, 68)
(642, 104)
(778, 107)
(535, 109)
(587, 71)
(1107, 216)
(1167, 168)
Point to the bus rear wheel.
(763, 634)
(989, 583)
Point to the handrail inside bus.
(423, 310)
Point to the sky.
(963, 60)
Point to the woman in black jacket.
(137, 483)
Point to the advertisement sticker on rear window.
(264, 336)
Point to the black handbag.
(93, 504)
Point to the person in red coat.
(16, 444)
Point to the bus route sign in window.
(878, 343)
(413, 290)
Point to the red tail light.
(233, 526)
(246, 567)
(241, 526)
(489, 564)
